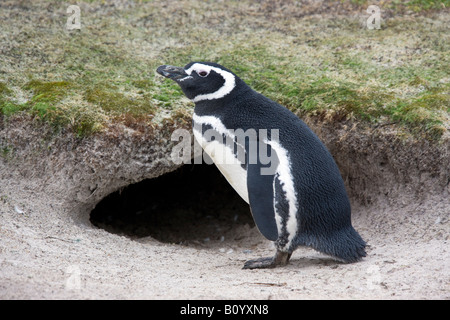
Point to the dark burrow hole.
(193, 203)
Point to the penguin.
(299, 198)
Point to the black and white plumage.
(302, 202)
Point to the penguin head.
(202, 80)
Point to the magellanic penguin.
(302, 201)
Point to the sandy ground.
(47, 254)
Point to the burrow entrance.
(192, 204)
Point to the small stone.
(18, 210)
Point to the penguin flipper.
(260, 194)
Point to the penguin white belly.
(227, 163)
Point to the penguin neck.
(218, 106)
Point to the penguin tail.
(345, 245)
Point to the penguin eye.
(202, 73)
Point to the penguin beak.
(171, 72)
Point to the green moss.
(420, 5)
(43, 109)
(165, 93)
(85, 120)
(107, 100)
(117, 103)
(439, 100)
(4, 89)
(146, 84)
(5, 151)
(8, 108)
(46, 104)
(343, 100)
(51, 91)
(414, 5)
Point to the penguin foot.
(280, 259)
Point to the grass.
(413, 5)
(330, 67)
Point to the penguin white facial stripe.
(228, 86)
